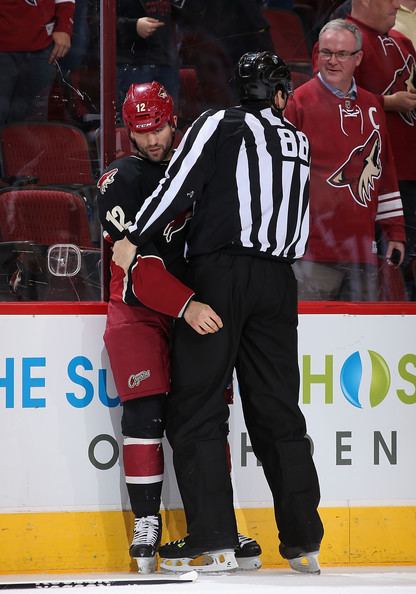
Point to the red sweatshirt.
(27, 25)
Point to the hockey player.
(352, 187)
(140, 311)
(245, 170)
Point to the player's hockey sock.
(143, 468)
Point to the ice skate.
(300, 560)
(247, 553)
(178, 556)
(146, 541)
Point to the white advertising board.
(59, 415)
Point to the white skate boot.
(146, 541)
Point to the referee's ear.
(280, 100)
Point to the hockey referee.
(245, 172)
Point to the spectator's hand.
(403, 101)
(146, 26)
(123, 253)
(62, 44)
(202, 318)
(394, 245)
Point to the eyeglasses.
(341, 55)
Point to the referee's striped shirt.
(245, 172)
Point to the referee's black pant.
(257, 301)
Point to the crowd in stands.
(363, 218)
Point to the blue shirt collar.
(352, 93)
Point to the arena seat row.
(289, 39)
(32, 222)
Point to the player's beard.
(164, 155)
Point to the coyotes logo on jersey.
(360, 170)
(404, 79)
(106, 179)
(176, 225)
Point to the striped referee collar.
(352, 93)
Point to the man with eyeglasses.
(353, 180)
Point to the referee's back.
(246, 171)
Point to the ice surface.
(333, 580)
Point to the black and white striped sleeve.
(184, 179)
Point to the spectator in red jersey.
(33, 35)
(388, 68)
(353, 179)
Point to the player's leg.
(142, 425)
(137, 345)
(268, 376)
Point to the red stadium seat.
(123, 145)
(31, 222)
(52, 153)
(288, 38)
(43, 216)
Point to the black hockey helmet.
(260, 75)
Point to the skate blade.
(210, 562)
(146, 564)
(248, 563)
(307, 563)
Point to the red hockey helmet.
(147, 106)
